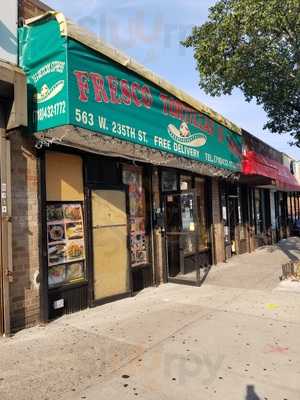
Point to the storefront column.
(159, 251)
(252, 242)
(6, 228)
(218, 228)
(248, 219)
(294, 206)
(273, 215)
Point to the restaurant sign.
(72, 84)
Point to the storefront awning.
(82, 139)
(255, 164)
(77, 80)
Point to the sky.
(150, 31)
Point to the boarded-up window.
(64, 181)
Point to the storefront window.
(66, 249)
(188, 212)
(290, 207)
(65, 227)
(297, 206)
(242, 201)
(293, 204)
(281, 209)
(169, 181)
(201, 206)
(273, 211)
(64, 180)
(225, 218)
(139, 240)
(188, 221)
(258, 213)
(185, 183)
(252, 208)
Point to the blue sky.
(150, 31)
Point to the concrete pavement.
(236, 337)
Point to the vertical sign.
(8, 32)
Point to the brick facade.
(24, 289)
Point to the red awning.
(257, 164)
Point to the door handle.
(108, 226)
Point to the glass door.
(230, 216)
(243, 218)
(110, 244)
(182, 237)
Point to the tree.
(253, 45)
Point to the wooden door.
(110, 239)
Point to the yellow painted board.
(64, 180)
(110, 252)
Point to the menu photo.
(75, 272)
(54, 212)
(57, 253)
(56, 232)
(72, 212)
(56, 275)
(65, 237)
(74, 230)
(74, 250)
(65, 233)
(65, 273)
(138, 248)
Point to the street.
(236, 337)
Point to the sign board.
(70, 84)
(8, 31)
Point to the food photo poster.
(65, 238)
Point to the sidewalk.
(236, 337)
(260, 270)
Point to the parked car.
(296, 228)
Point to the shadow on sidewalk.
(288, 247)
(250, 393)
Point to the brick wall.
(24, 290)
(31, 8)
(218, 229)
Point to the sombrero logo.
(184, 136)
(47, 93)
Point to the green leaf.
(253, 45)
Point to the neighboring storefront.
(13, 116)
(235, 216)
(293, 207)
(128, 167)
(186, 205)
(270, 183)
